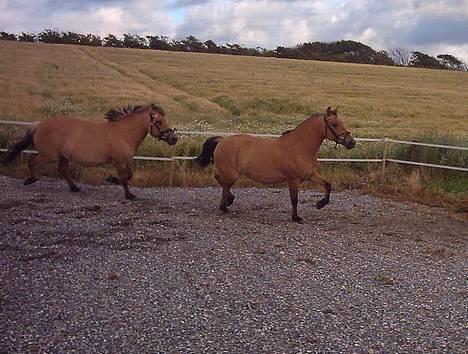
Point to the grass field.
(234, 93)
(231, 93)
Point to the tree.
(50, 36)
(211, 47)
(90, 39)
(343, 51)
(450, 62)
(176, 45)
(401, 56)
(112, 41)
(192, 44)
(7, 36)
(27, 37)
(134, 41)
(422, 60)
(158, 42)
(70, 38)
(237, 49)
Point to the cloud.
(425, 25)
(415, 24)
(89, 16)
(260, 23)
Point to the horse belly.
(88, 155)
(262, 176)
(263, 167)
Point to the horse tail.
(206, 156)
(16, 149)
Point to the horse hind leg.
(230, 199)
(32, 171)
(293, 192)
(64, 169)
(227, 198)
(33, 163)
(129, 171)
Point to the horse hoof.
(230, 200)
(224, 209)
(297, 219)
(74, 189)
(29, 180)
(130, 196)
(321, 203)
(112, 179)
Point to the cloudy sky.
(431, 26)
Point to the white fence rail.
(383, 160)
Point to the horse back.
(83, 141)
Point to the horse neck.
(307, 136)
(134, 128)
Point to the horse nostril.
(351, 144)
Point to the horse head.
(159, 127)
(335, 130)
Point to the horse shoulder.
(296, 162)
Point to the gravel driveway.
(93, 272)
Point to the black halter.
(162, 134)
(340, 138)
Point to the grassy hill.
(232, 93)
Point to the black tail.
(206, 156)
(16, 149)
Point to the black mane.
(118, 113)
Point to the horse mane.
(117, 114)
(313, 115)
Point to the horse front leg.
(293, 192)
(326, 185)
(123, 174)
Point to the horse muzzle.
(170, 137)
(349, 142)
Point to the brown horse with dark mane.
(89, 143)
(291, 158)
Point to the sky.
(431, 26)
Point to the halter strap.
(339, 137)
(162, 135)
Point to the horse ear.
(328, 111)
(336, 110)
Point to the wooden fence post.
(384, 158)
(171, 172)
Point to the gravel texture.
(92, 272)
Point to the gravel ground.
(92, 272)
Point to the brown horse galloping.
(89, 143)
(291, 158)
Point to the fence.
(384, 160)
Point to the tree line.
(339, 51)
